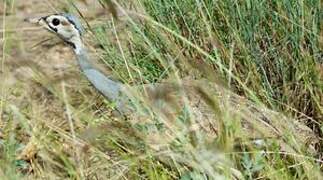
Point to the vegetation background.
(53, 125)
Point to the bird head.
(66, 26)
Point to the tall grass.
(266, 51)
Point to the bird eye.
(55, 22)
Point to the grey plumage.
(76, 22)
(109, 88)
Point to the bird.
(69, 28)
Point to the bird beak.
(41, 21)
(34, 20)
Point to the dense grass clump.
(268, 51)
(239, 94)
(273, 47)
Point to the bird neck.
(82, 57)
(80, 52)
(77, 44)
(107, 87)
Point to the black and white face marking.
(56, 22)
(60, 25)
(66, 26)
(51, 26)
